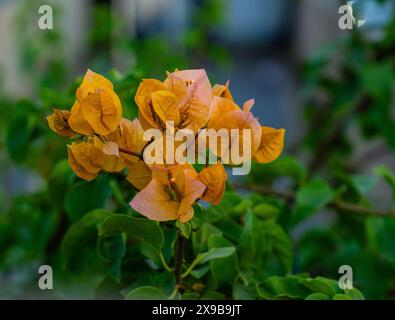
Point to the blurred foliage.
(260, 242)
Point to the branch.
(179, 259)
(123, 150)
(132, 153)
(340, 205)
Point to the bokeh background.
(331, 89)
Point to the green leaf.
(231, 202)
(146, 230)
(252, 241)
(213, 295)
(81, 234)
(341, 296)
(84, 196)
(381, 234)
(279, 243)
(266, 211)
(289, 286)
(317, 296)
(185, 228)
(318, 286)
(200, 272)
(200, 238)
(146, 293)
(242, 292)
(19, 136)
(223, 270)
(190, 296)
(311, 198)
(215, 253)
(112, 249)
(354, 293)
(286, 166)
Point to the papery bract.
(170, 194)
(58, 121)
(271, 145)
(85, 159)
(214, 177)
(97, 108)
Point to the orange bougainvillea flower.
(227, 115)
(143, 101)
(58, 121)
(222, 91)
(128, 136)
(82, 154)
(90, 83)
(164, 105)
(214, 177)
(85, 159)
(184, 98)
(97, 108)
(168, 191)
(196, 110)
(139, 174)
(170, 194)
(271, 146)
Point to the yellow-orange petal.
(214, 177)
(58, 121)
(155, 203)
(90, 83)
(194, 190)
(102, 110)
(219, 108)
(130, 135)
(177, 86)
(197, 109)
(77, 121)
(248, 104)
(144, 102)
(139, 175)
(241, 120)
(85, 159)
(111, 163)
(271, 145)
(165, 106)
(222, 91)
(184, 218)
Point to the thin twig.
(340, 205)
(132, 153)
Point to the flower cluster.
(104, 140)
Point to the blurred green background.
(328, 201)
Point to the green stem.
(165, 265)
(173, 294)
(193, 265)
